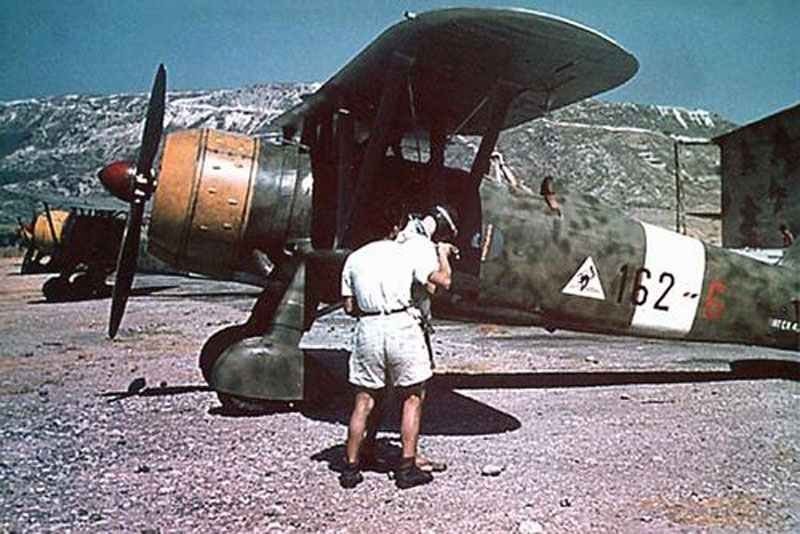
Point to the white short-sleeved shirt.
(417, 242)
(379, 275)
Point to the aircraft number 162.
(640, 294)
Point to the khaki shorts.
(389, 348)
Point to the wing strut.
(438, 143)
(502, 96)
(344, 139)
(395, 81)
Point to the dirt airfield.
(542, 432)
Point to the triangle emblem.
(585, 282)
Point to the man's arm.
(350, 304)
(443, 276)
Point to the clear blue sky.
(739, 58)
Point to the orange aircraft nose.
(117, 178)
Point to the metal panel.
(222, 202)
(202, 204)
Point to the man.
(420, 232)
(548, 191)
(788, 236)
(376, 286)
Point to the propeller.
(140, 184)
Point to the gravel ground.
(542, 432)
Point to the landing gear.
(258, 366)
(57, 289)
(216, 345)
(233, 405)
(84, 286)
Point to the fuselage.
(593, 269)
(224, 201)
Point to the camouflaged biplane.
(284, 213)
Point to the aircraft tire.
(103, 290)
(57, 289)
(82, 287)
(233, 405)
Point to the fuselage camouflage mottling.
(593, 269)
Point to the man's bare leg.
(412, 416)
(364, 403)
(351, 475)
(374, 419)
(408, 474)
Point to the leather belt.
(390, 312)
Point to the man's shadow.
(387, 450)
(446, 412)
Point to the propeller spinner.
(135, 185)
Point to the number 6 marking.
(714, 308)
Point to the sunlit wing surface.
(459, 54)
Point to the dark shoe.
(351, 476)
(408, 476)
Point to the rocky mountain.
(621, 153)
(624, 155)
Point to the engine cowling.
(47, 237)
(221, 195)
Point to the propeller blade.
(129, 251)
(126, 267)
(154, 124)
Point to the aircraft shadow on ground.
(756, 369)
(162, 391)
(136, 292)
(209, 295)
(448, 412)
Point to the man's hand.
(442, 276)
(447, 250)
(350, 307)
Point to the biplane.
(80, 244)
(285, 212)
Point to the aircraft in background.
(80, 244)
(286, 212)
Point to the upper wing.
(96, 201)
(459, 54)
